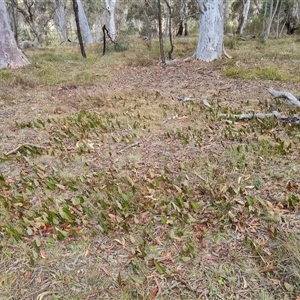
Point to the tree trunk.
(60, 18)
(160, 34)
(244, 16)
(110, 6)
(169, 29)
(278, 21)
(292, 18)
(271, 18)
(264, 17)
(84, 25)
(211, 30)
(180, 29)
(226, 10)
(13, 15)
(75, 7)
(10, 55)
(184, 12)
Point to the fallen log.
(286, 95)
(292, 120)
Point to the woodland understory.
(124, 179)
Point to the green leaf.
(119, 279)
(61, 234)
(137, 279)
(29, 231)
(159, 267)
(288, 287)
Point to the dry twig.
(129, 146)
(23, 145)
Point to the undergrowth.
(130, 194)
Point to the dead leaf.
(154, 293)
(288, 287)
(112, 217)
(275, 281)
(43, 254)
(245, 283)
(267, 268)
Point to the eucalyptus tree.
(291, 19)
(10, 55)
(37, 14)
(84, 25)
(142, 14)
(272, 12)
(160, 34)
(110, 6)
(80, 40)
(241, 9)
(244, 16)
(211, 33)
(184, 10)
(13, 15)
(60, 18)
(183, 15)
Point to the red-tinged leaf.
(43, 254)
(112, 217)
(130, 256)
(255, 223)
(271, 234)
(153, 294)
(6, 192)
(167, 255)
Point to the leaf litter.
(141, 196)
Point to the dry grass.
(114, 189)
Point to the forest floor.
(112, 187)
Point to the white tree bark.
(245, 16)
(60, 18)
(110, 6)
(265, 16)
(227, 3)
(271, 18)
(10, 55)
(277, 35)
(97, 28)
(84, 25)
(211, 31)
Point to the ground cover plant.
(113, 188)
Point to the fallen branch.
(23, 145)
(226, 54)
(186, 99)
(129, 146)
(286, 95)
(206, 103)
(253, 115)
(293, 120)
